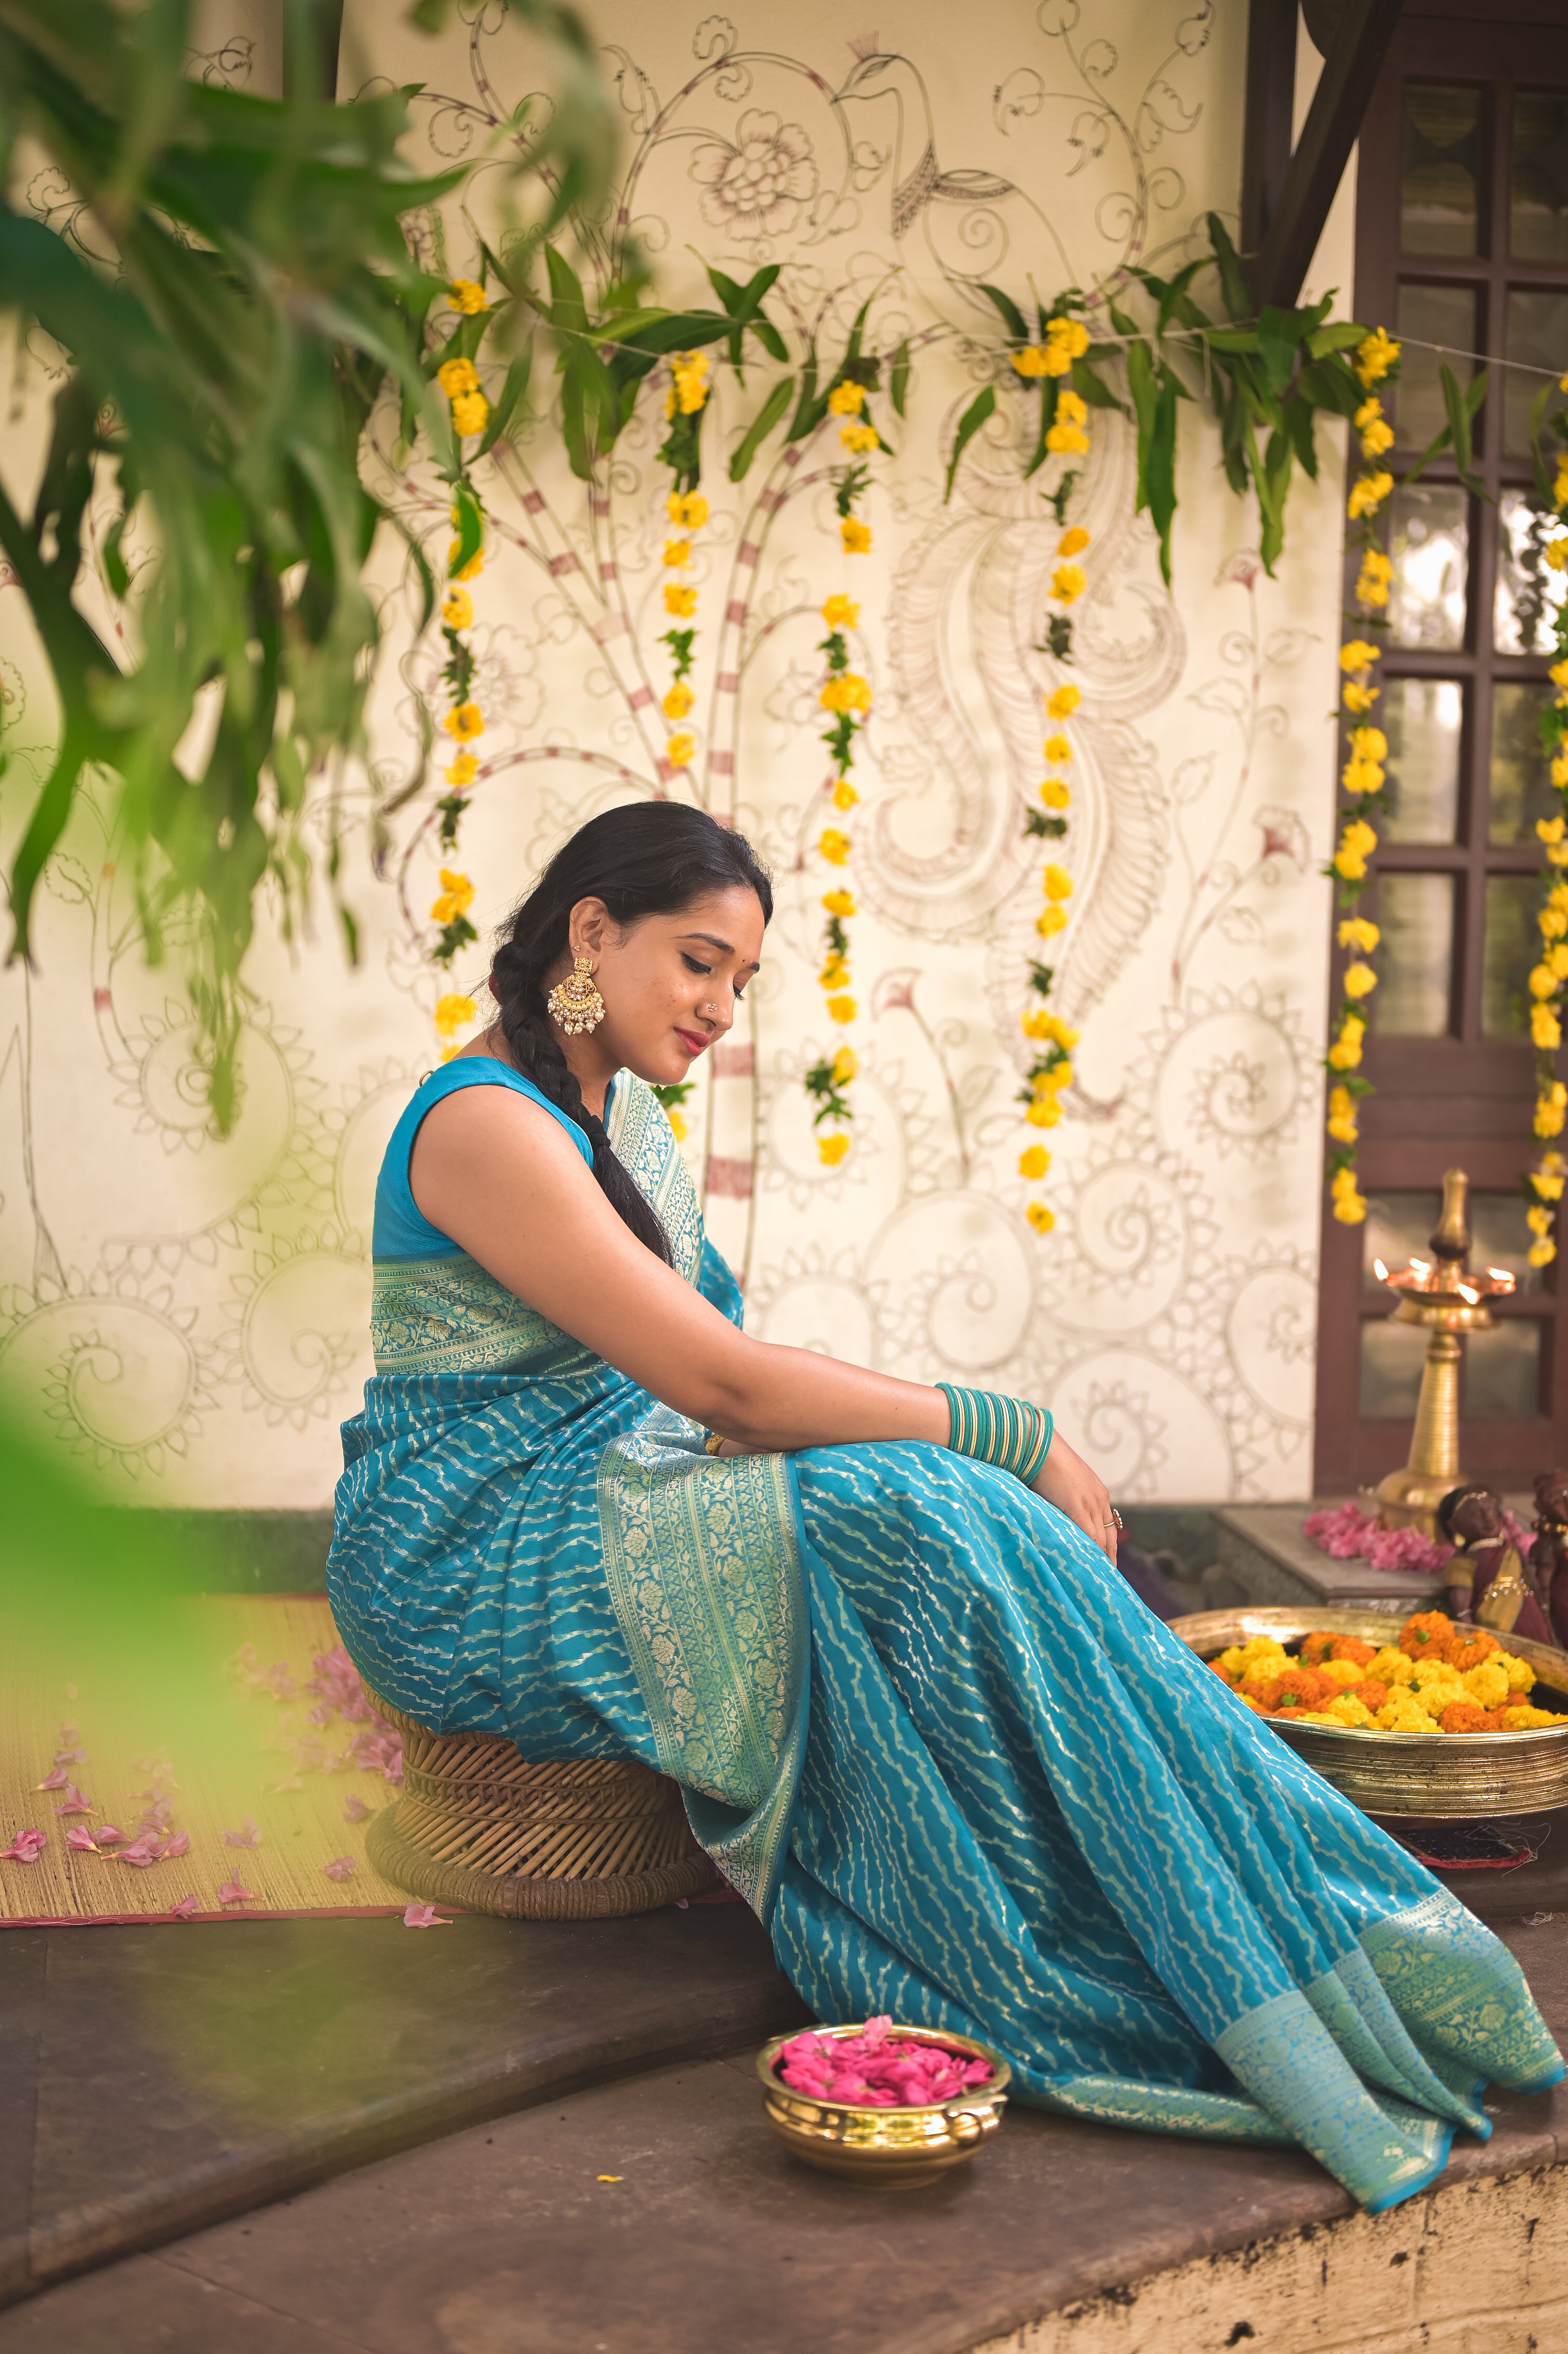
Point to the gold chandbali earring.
(575, 1001)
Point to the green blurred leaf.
(761, 426)
(969, 424)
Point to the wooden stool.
(478, 1826)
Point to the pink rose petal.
(185, 1908)
(231, 1892)
(424, 1916)
(354, 1809)
(80, 1837)
(25, 1847)
(340, 1867)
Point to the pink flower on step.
(80, 1837)
(340, 1867)
(248, 1835)
(424, 1916)
(25, 1847)
(72, 1756)
(392, 1770)
(142, 1851)
(74, 1802)
(231, 1892)
(185, 1908)
(180, 1844)
(58, 1780)
(354, 1809)
(110, 1835)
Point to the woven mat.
(280, 1782)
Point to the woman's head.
(669, 909)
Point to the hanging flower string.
(1362, 779)
(1549, 974)
(463, 721)
(845, 696)
(1062, 433)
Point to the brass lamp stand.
(1440, 1295)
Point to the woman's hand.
(1066, 1481)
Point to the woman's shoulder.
(466, 1071)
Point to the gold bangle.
(714, 1442)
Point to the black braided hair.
(651, 858)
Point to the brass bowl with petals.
(886, 2149)
(1439, 1776)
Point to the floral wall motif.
(193, 1309)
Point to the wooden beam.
(1270, 101)
(1339, 102)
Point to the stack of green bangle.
(1008, 1432)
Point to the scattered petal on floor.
(75, 1802)
(25, 1847)
(69, 1756)
(185, 1907)
(58, 1780)
(340, 1867)
(422, 1916)
(231, 1892)
(141, 1852)
(179, 1845)
(110, 1835)
(248, 1835)
(81, 1838)
(355, 1809)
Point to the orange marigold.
(1299, 1688)
(1350, 1646)
(1372, 1695)
(1470, 1648)
(1465, 1716)
(1421, 1636)
(1317, 1646)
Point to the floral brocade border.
(447, 1315)
(644, 1142)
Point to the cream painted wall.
(194, 1309)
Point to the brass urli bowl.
(1439, 1776)
(888, 2150)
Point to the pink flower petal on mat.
(141, 1852)
(424, 1916)
(80, 1837)
(185, 1908)
(392, 1770)
(55, 1781)
(340, 1867)
(355, 1809)
(75, 1802)
(110, 1835)
(179, 1845)
(248, 1835)
(69, 1756)
(25, 1847)
(231, 1892)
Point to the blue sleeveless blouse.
(401, 1230)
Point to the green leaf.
(1232, 277)
(812, 406)
(1460, 408)
(1279, 339)
(1160, 468)
(1537, 462)
(969, 424)
(1011, 315)
(1234, 339)
(504, 408)
(898, 381)
(1300, 421)
(761, 426)
(1339, 335)
(568, 308)
(1091, 388)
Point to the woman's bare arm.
(501, 1177)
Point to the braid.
(525, 1026)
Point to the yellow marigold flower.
(1068, 582)
(1034, 1160)
(1378, 437)
(472, 569)
(1375, 355)
(1555, 960)
(1059, 748)
(1066, 340)
(452, 1011)
(859, 439)
(679, 600)
(1064, 702)
(677, 554)
(1560, 488)
(1034, 360)
(1359, 699)
(1058, 883)
(467, 295)
(1342, 1120)
(1371, 588)
(846, 1063)
(470, 413)
(1368, 413)
(1356, 932)
(1550, 829)
(1044, 1112)
(1349, 1209)
(457, 377)
(677, 1119)
(1559, 777)
(1557, 853)
(1368, 743)
(1362, 776)
(1558, 674)
(844, 794)
(830, 1149)
(455, 898)
(1555, 552)
(1377, 564)
(1359, 980)
(1540, 1254)
(846, 690)
(1065, 440)
(855, 536)
(842, 1009)
(835, 973)
(689, 370)
(1043, 1024)
(1542, 980)
(1545, 1029)
(1554, 922)
(687, 508)
(1055, 793)
(1368, 492)
(835, 847)
(1051, 919)
(1551, 1104)
(679, 700)
(846, 400)
(465, 722)
(679, 748)
(1346, 1051)
(1539, 1218)
(841, 613)
(1356, 655)
(457, 610)
(1073, 406)
(839, 903)
(1073, 541)
(463, 771)
(1040, 1217)
(1549, 1187)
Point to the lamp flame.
(1380, 1270)
(1421, 1266)
(1466, 1293)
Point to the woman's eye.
(692, 965)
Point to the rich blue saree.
(953, 1763)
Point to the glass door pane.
(1440, 170)
(1429, 541)
(1537, 337)
(1423, 719)
(1502, 1370)
(1511, 937)
(1391, 1358)
(1537, 223)
(1529, 592)
(1520, 787)
(1415, 914)
(1444, 316)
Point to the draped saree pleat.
(937, 1742)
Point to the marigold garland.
(1362, 779)
(685, 400)
(1549, 974)
(845, 696)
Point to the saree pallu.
(953, 1763)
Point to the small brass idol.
(1441, 1294)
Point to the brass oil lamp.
(1443, 1295)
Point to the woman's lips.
(692, 1040)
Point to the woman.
(871, 1627)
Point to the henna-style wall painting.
(193, 1309)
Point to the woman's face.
(670, 983)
